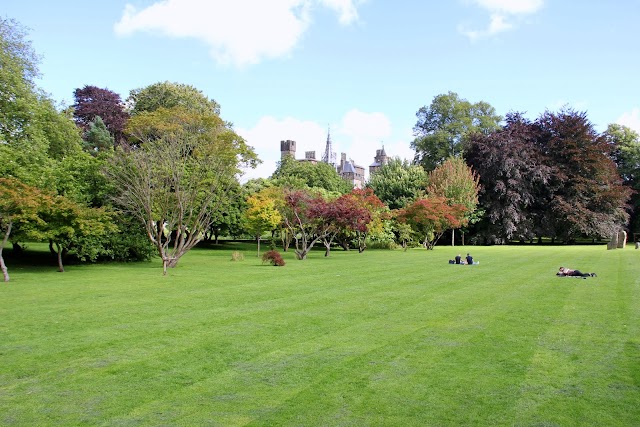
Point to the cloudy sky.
(291, 69)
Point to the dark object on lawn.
(563, 272)
(273, 257)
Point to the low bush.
(273, 257)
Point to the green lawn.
(383, 338)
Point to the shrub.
(237, 256)
(273, 257)
(378, 244)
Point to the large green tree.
(443, 126)
(295, 174)
(625, 143)
(172, 95)
(398, 183)
(18, 69)
(178, 178)
(41, 147)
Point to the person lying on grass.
(564, 271)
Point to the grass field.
(383, 338)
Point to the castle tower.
(329, 156)
(380, 160)
(287, 148)
(351, 172)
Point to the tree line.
(159, 172)
(553, 177)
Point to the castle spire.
(329, 156)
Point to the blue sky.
(288, 69)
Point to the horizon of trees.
(166, 158)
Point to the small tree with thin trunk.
(261, 215)
(72, 228)
(430, 217)
(458, 183)
(303, 219)
(178, 177)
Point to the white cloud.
(266, 135)
(239, 32)
(358, 134)
(502, 14)
(631, 119)
(346, 9)
(511, 7)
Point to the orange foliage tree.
(19, 206)
(431, 216)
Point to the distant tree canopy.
(296, 174)
(92, 102)
(398, 183)
(171, 95)
(18, 69)
(442, 128)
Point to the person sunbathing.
(564, 271)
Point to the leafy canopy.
(442, 128)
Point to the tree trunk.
(462, 236)
(286, 241)
(258, 239)
(5, 271)
(327, 246)
(60, 266)
(453, 236)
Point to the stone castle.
(347, 169)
